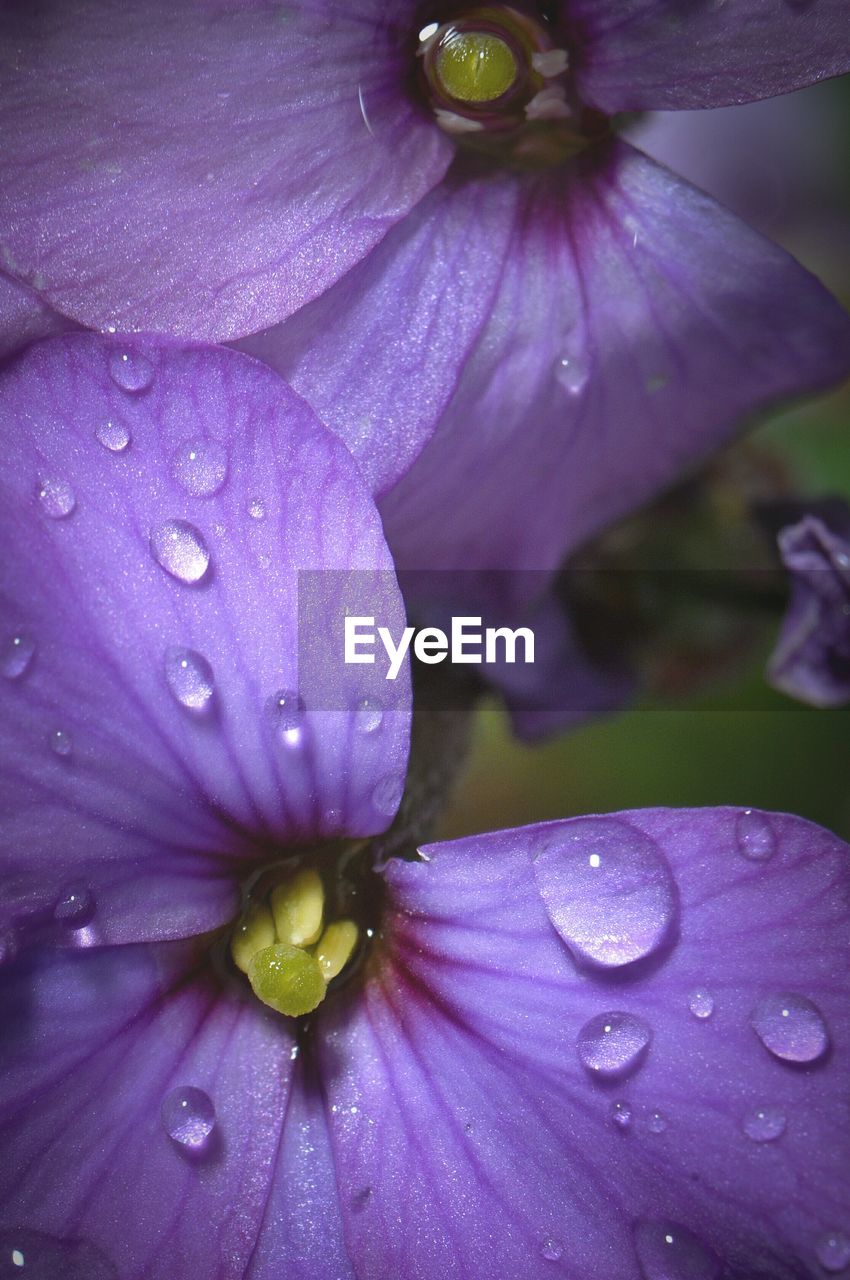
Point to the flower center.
(474, 66)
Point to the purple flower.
(535, 327)
(608, 1046)
(811, 660)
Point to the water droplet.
(31, 1255)
(572, 372)
(608, 890)
(387, 795)
(256, 510)
(622, 1115)
(613, 1045)
(368, 715)
(755, 835)
(765, 1124)
(75, 907)
(16, 655)
(188, 1117)
(200, 466)
(657, 1122)
(791, 1027)
(667, 1251)
(56, 497)
(701, 1003)
(285, 710)
(130, 370)
(113, 435)
(180, 549)
(61, 743)
(833, 1251)
(551, 1249)
(189, 677)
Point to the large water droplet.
(180, 549)
(572, 372)
(75, 907)
(285, 710)
(200, 466)
(608, 890)
(701, 1003)
(61, 743)
(56, 498)
(387, 795)
(113, 435)
(667, 1251)
(755, 835)
(189, 677)
(612, 1045)
(368, 715)
(765, 1124)
(188, 1117)
(791, 1027)
(622, 1115)
(16, 655)
(551, 1249)
(130, 370)
(833, 1251)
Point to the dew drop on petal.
(833, 1251)
(56, 498)
(667, 1251)
(113, 435)
(572, 372)
(32, 1255)
(368, 715)
(608, 890)
(189, 677)
(285, 712)
(551, 1249)
(791, 1027)
(755, 836)
(200, 467)
(613, 1045)
(16, 655)
(130, 370)
(765, 1124)
(256, 510)
(622, 1115)
(387, 795)
(701, 1003)
(75, 907)
(180, 550)
(188, 1117)
(61, 743)
(657, 1122)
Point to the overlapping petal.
(173, 700)
(484, 1145)
(204, 168)
(24, 317)
(635, 55)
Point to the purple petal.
(474, 1091)
(163, 720)
(155, 1126)
(24, 317)
(636, 55)
(811, 660)
(634, 325)
(204, 168)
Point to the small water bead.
(32, 1255)
(188, 1117)
(791, 1027)
(701, 1003)
(75, 907)
(765, 1124)
(189, 677)
(622, 1115)
(16, 655)
(387, 795)
(61, 743)
(113, 435)
(130, 370)
(833, 1251)
(667, 1251)
(613, 1045)
(180, 550)
(755, 836)
(551, 1249)
(200, 466)
(256, 510)
(285, 711)
(368, 715)
(657, 1122)
(56, 497)
(572, 372)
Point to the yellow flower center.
(476, 66)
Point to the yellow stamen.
(476, 66)
(287, 979)
(334, 951)
(298, 907)
(254, 932)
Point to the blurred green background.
(785, 167)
